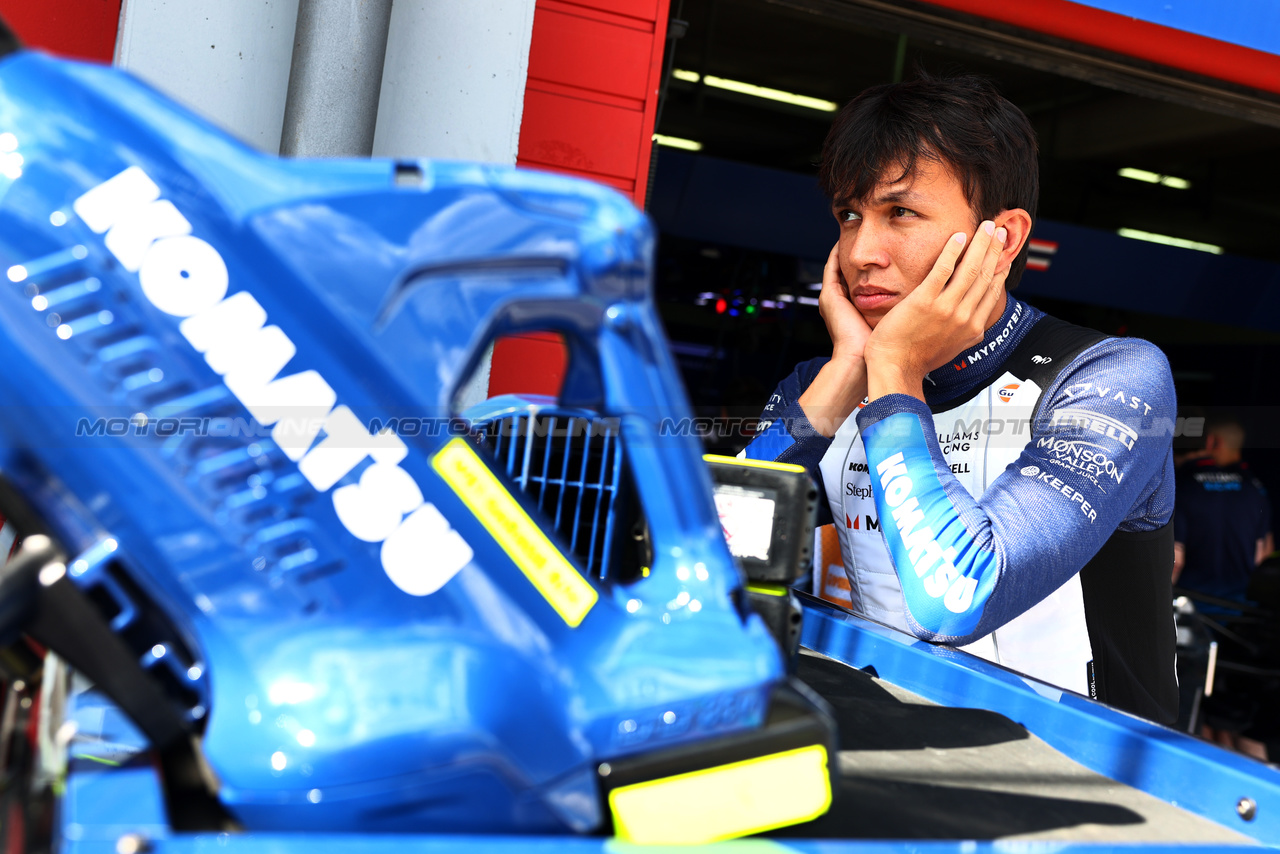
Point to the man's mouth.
(870, 298)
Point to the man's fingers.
(945, 266)
(976, 302)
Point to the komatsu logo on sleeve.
(931, 563)
(1100, 424)
(186, 277)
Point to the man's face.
(890, 240)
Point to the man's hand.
(947, 313)
(842, 382)
(847, 327)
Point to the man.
(1007, 482)
(1222, 531)
(1222, 520)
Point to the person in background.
(1222, 516)
(1222, 532)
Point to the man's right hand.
(842, 383)
(847, 327)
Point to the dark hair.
(962, 122)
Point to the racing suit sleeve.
(785, 434)
(967, 566)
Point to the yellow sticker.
(555, 578)
(726, 801)
(758, 464)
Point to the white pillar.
(453, 84)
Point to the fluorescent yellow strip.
(1166, 240)
(1154, 178)
(725, 802)
(760, 464)
(571, 595)
(757, 91)
(767, 589)
(677, 142)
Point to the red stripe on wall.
(84, 29)
(1131, 37)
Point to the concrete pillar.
(454, 80)
(336, 76)
(226, 59)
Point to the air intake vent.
(571, 467)
(147, 630)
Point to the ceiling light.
(1155, 178)
(677, 142)
(1166, 240)
(757, 91)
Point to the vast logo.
(186, 277)
(1089, 390)
(1100, 424)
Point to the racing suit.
(1021, 514)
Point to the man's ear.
(1018, 223)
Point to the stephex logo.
(186, 277)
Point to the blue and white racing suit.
(1021, 514)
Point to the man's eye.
(904, 212)
(848, 216)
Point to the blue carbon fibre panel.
(1154, 759)
(326, 672)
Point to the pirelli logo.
(1100, 424)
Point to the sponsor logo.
(960, 366)
(959, 439)
(857, 466)
(1041, 360)
(960, 468)
(993, 345)
(1006, 394)
(1090, 390)
(856, 523)
(857, 491)
(864, 402)
(1058, 486)
(1220, 481)
(1085, 458)
(1100, 424)
(933, 565)
(187, 278)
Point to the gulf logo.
(1006, 393)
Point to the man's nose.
(868, 246)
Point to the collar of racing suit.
(980, 364)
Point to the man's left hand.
(949, 312)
